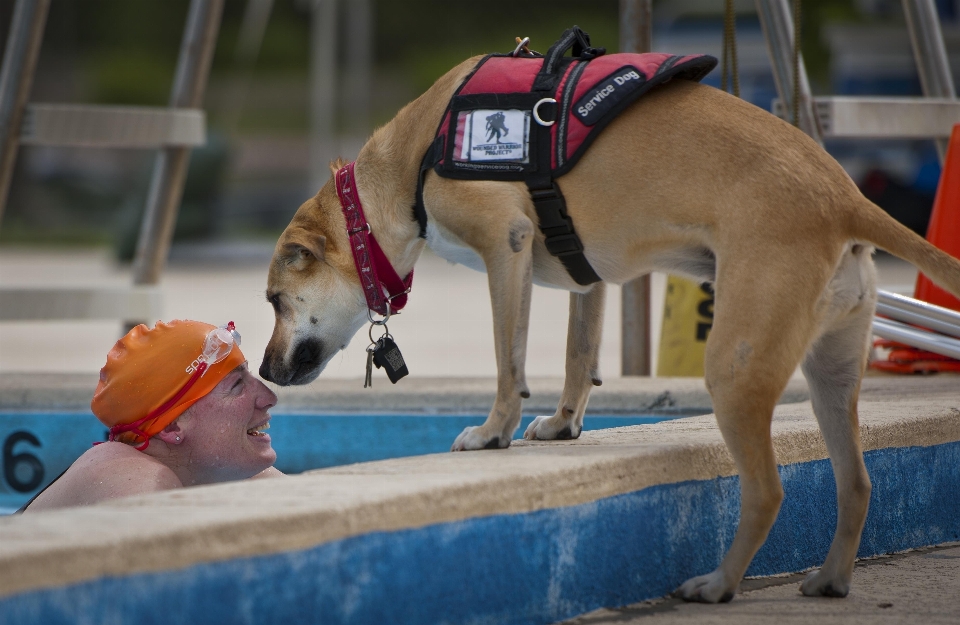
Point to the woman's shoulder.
(107, 471)
(125, 469)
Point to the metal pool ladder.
(931, 116)
(172, 130)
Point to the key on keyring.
(386, 355)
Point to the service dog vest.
(524, 116)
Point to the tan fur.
(688, 180)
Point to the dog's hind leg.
(582, 368)
(762, 326)
(834, 368)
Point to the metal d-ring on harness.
(536, 111)
(522, 47)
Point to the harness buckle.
(564, 244)
(551, 209)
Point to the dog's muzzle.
(301, 369)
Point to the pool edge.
(420, 492)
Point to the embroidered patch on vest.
(599, 100)
(493, 135)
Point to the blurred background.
(296, 83)
(258, 166)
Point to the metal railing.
(939, 330)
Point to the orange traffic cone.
(943, 232)
(944, 228)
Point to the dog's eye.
(274, 301)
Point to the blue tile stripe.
(302, 441)
(538, 567)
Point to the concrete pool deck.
(538, 533)
(920, 586)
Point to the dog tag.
(387, 356)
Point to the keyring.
(373, 342)
(536, 111)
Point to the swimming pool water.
(38, 446)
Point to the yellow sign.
(687, 319)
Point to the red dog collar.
(385, 291)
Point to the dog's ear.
(300, 247)
(337, 165)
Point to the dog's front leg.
(508, 256)
(582, 369)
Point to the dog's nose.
(306, 359)
(265, 371)
(307, 354)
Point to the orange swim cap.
(149, 368)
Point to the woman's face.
(223, 433)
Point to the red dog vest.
(523, 116)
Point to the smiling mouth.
(259, 430)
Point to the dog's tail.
(873, 224)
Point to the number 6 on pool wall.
(12, 463)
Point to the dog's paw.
(474, 438)
(546, 428)
(710, 588)
(819, 584)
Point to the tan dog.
(687, 180)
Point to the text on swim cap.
(192, 367)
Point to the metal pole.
(16, 78)
(635, 327)
(359, 44)
(323, 76)
(636, 26)
(256, 16)
(170, 167)
(902, 333)
(776, 21)
(919, 312)
(933, 65)
(636, 35)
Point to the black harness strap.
(431, 158)
(561, 237)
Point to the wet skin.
(222, 436)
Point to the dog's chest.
(449, 247)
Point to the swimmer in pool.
(183, 409)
